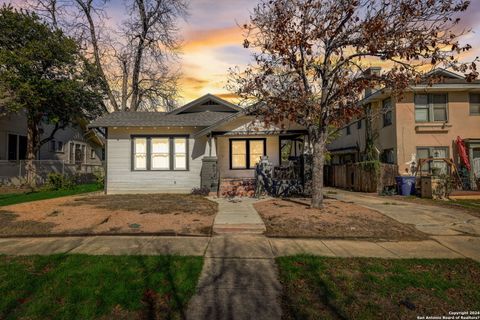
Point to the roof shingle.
(158, 119)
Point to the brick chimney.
(375, 71)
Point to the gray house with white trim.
(206, 142)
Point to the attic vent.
(210, 103)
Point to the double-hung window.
(475, 104)
(431, 108)
(433, 152)
(160, 153)
(387, 112)
(246, 153)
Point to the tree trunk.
(32, 142)
(319, 149)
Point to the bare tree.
(136, 62)
(311, 58)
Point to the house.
(206, 142)
(73, 146)
(425, 122)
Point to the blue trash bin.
(405, 185)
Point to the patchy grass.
(152, 203)
(338, 219)
(9, 225)
(14, 198)
(372, 288)
(96, 287)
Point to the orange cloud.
(213, 38)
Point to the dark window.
(103, 154)
(160, 153)
(387, 156)
(431, 108)
(246, 153)
(12, 147)
(56, 146)
(359, 124)
(17, 147)
(387, 112)
(474, 104)
(348, 130)
(22, 147)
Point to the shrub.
(99, 178)
(202, 191)
(444, 186)
(57, 181)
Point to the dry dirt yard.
(111, 214)
(337, 219)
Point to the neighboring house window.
(17, 147)
(474, 104)
(359, 124)
(387, 112)
(92, 153)
(348, 130)
(246, 153)
(160, 153)
(56, 146)
(77, 153)
(433, 152)
(387, 156)
(431, 108)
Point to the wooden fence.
(358, 178)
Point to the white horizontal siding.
(121, 178)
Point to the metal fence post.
(63, 167)
(20, 169)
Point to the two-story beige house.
(425, 122)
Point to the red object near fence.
(462, 152)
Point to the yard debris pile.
(336, 220)
(111, 214)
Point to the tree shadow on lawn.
(97, 287)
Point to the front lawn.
(162, 214)
(338, 219)
(14, 198)
(372, 288)
(96, 287)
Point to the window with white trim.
(431, 107)
(475, 104)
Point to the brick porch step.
(239, 228)
(232, 187)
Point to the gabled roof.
(205, 99)
(158, 119)
(209, 109)
(444, 73)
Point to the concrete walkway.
(237, 216)
(431, 220)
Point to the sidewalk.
(244, 246)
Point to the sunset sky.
(213, 41)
